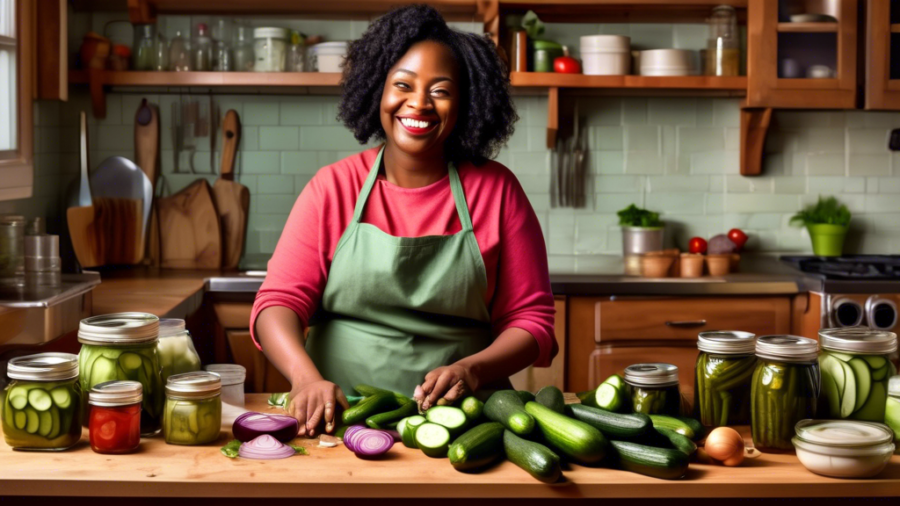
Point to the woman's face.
(421, 99)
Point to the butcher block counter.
(161, 470)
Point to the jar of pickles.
(193, 414)
(123, 346)
(176, 349)
(42, 406)
(892, 407)
(653, 389)
(115, 419)
(784, 389)
(855, 371)
(722, 377)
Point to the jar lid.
(894, 386)
(169, 327)
(270, 32)
(193, 385)
(843, 433)
(858, 340)
(44, 367)
(727, 342)
(651, 374)
(787, 347)
(116, 393)
(231, 374)
(119, 328)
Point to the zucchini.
(473, 408)
(664, 463)
(575, 439)
(551, 397)
(525, 395)
(477, 448)
(612, 425)
(433, 439)
(682, 425)
(383, 420)
(679, 441)
(506, 407)
(407, 429)
(378, 403)
(535, 458)
(368, 391)
(454, 419)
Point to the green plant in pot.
(642, 231)
(827, 222)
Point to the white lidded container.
(270, 47)
(233, 378)
(328, 56)
(605, 55)
(843, 448)
(667, 62)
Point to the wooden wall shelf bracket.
(552, 117)
(754, 126)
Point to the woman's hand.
(314, 402)
(449, 382)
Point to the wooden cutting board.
(84, 234)
(108, 232)
(146, 155)
(190, 234)
(232, 199)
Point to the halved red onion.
(349, 432)
(251, 425)
(368, 443)
(265, 447)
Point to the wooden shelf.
(895, 28)
(700, 83)
(622, 11)
(807, 27)
(211, 79)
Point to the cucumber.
(577, 440)
(679, 441)
(880, 373)
(694, 425)
(477, 448)
(56, 426)
(383, 420)
(873, 409)
(609, 397)
(61, 397)
(551, 397)
(875, 361)
(840, 356)
(368, 391)
(832, 394)
(33, 421)
(612, 425)
(453, 419)
(664, 463)
(473, 408)
(587, 397)
(18, 397)
(39, 399)
(45, 423)
(21, 419)
(863, 381)
(679, 425)
(535, 458)
(506, 407)
(378, 403)
(525, 395)
(433, 439)
(408, 432)
(130, 361)
(848, 394)
(616, 381)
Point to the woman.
(423, 261)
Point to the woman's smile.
(418, 125)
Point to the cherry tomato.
(738, 237)
(697, 245)
(566, 64)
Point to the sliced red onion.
(396, 435)
(349, 432)
(265, 447)
(369, 443)
(251, 425)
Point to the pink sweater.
(506, 228)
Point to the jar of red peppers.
(115, 416)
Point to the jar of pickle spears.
(123, 346)
(784, 389)
(722, 377)
(42, 406)
(193, 414)
(653, 389)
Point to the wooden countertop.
(161, 470)
(165, 293)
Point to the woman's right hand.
(313, 403)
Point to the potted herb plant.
(642, 231)
(827, 222)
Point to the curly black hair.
(486, 115)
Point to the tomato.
(115, 429)
(738, 237)
(697, 245)
(566, 65)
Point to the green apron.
(394, 308)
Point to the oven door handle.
(687, 324)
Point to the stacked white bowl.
(606, 55)
(667, 62)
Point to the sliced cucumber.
(46, 423)
(609, 397)
(892, 416)
(21, 419)
(473, 408)
(33, 421)
(848, 395)
(61, 397)
(880, 373)
(454, 419)
(832, 394)
(54, 422)
(875, 361)
(616, 381)
(433, 439)
(39, 399)
(408, 433)
(18, 397)
(103, 369)
(863, 381)
(130, 361)
(840, 356)
(873, 409)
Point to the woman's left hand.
(449, 382)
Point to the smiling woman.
(419, 266)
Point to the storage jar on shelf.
(193, 414)
(784, 389)
(653, 389)
(115, 418)
(176, 349)
(722, 377)
(42, 406)
(856, 368)
(270, 49)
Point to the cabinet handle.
(687, 323)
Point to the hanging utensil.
(577, 159)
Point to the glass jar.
(843, 448)
(856, 368)
(723, 54)
(722, 377)
(42, 407)
(202, 49)
(193, 408)
(115, 419)
(143, 47)
(176, 349)
(892, 407)
(12, 246)
(233, 378)
(124, 346)
(653, 389)
(296, 59)
(244, 57)
(784, 389)
(160, 52)
(270, 48)
(180, 53)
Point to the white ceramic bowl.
(605, 55)
(843, 448)
(667, 62)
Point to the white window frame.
(17, 166)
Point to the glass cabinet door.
(883, 54)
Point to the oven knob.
(847, 313)
(881, 313)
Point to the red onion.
(349, 432)
(368, 443)
(396, 435)
(251, 425)
(265, 447)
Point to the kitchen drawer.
(608, 360)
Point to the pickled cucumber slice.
(832, 394)
(130, 361)
(873, 409)
(61, 397)
(840, 356)
(104, 369)
(39, 399)
(54, 423)
(848, 395)
(46, 423)
(21, 419)
(33, 421)
(18, 397)
(880, 373)
(875, 361)
(8, 416)
(863, 381)
(150, 374)
(831, 368)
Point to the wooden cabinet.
(535, 378)
(883, 55)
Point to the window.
(16, 88)
(8, 88)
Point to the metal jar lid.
(169, 327)
(44, 367)
(119, 328)
(727, 342)
(858, 340)
(787, 348)
(193, 385)
(656, 375)
(116, 393)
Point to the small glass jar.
(233, 378)
(115, 419)
(723, 54)
(653, 389)
(12, 246)
(296, 59)
(176, 349)
(42, 406)
(193, 408)
(856, 367)
(244, 57)
(722, 377)
(124, 346)
(270, 47)
(784, 389)
(843, 448)
(892, 407)
(143, 47)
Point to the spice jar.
(653, 389)
(193, 414)
(892, 407)
(784, 389)
(270, 49)
(723, 54)
(42, 406)
(176, 349)
(856, 367)
(722, 377)
(115, 418)
(123, 346)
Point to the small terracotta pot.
(691, 265)
(656, 266)
(718, 265)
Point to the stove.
(861, 267)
